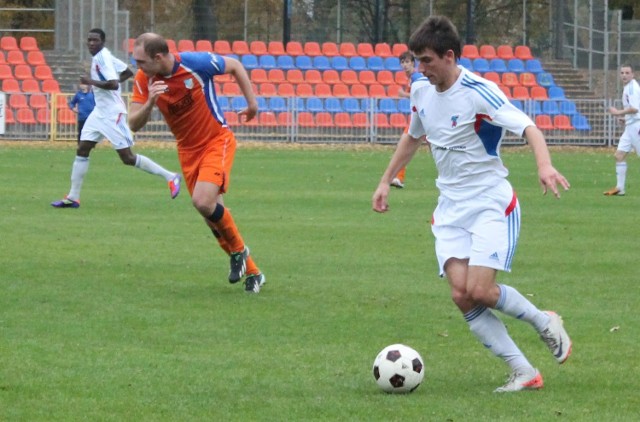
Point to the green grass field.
(121, 311)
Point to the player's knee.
(203, 205)
(128, 159)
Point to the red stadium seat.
(324, 119)
(539, 93)
(401, 78)
(487, 52)
(30, 85)
(25, 116)
(377, 91)
(36, 58)
(268, 119)
(66, 116)
(268, 90)
(222, 47)
(343, 120)
(528, 79)
(349, 77)
(15, 57)
(359, 91)
(276, 48)
(258, 76)
(304, 90)
(382, 50)
(348, 49)
(204, 46)
(295, 76)
(522, 52)
(520, 92)
(22, 72)
(385, 77)
(562, 122)
(493, 77)
(305, 119)
(173, 48)
(6, 72)
(275, 76)
(360, 120)
(312, 49)
(50, 86)
(8, 43)
(543, 121)
(240, 48)
(258, 48)
(382, 121)
(398, 120)
(10, 85)
(505, 52)
(230, 89)
(506, 90)
(43, 72)
(330, 49)
(8, 116)
(470, 51)
(17, 101)
(367, 77)
(38, 101)
(398, 49)
(394, 90)
(186, 45)
(331, 77)
(284, 119)
(341, 90)
(294, 48)
(43, 115)
(312, 76)
(365, 49)
(322, 90)
(232, 118)
(510, 79)
(286, 90)
(28, 44)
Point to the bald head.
(152, 44)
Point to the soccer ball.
(398, 369)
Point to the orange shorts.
(211, 164)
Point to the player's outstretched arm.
(549, 177)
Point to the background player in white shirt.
(630, 138)
(108, 120)
(477, 220)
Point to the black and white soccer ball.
(398, 369)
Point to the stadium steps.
(66, 69)
(574, 83)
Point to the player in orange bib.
(182, 87)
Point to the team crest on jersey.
(421, 114)
(454, 120)
(188, 83)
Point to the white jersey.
(465, 126)
(631, 98)
(105, 67)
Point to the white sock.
(621, 175)
(512, 303)
(78, 170)
(493, 334)
(150, 166)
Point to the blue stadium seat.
(580, 122)
(315, 104)
(568, 107)
(223, 102)
(299, 104)
(285, 62)
(369, 104)
(332, 105)
(515, 66)
(238, 103)
(351, 105)
(533, 107)
(533, 66)
(466, 63)
(556, 93)
(304, 62)
(404, 105)
(262, 104)
(339, 63)
(545, 79)
(357, 63)
(388, 105)
(267, 61)
(392, 64)
(321, 63)
(481, 65)
(375, 63)
(249, 61)
(277, 104)
(498, 65)
(550, 107)
(517, 103)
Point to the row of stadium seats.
(488, 52)
(500, 65)
(525, 79)
(339, 90)
(30, 85)
(313, 76)
(286, 62)
(25, 71)
(9, 43)
(317, 104)
(16, 57)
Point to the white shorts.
(630, 138)
(484, 229)
(114, 128)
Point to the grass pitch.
(121, 310)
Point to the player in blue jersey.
(477, 220)
(82, 103)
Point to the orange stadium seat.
(539, 93)
(343, 120)
(222, 47)
(275, 76)
(230, 89)
(66, 116)
(204, 46)
(284, 119)
(43, 72)
(36, 58)
(3, 59)
(312, 49)
(8, 116)
(520, 93)
(401, 78)
(50, 86)
(493, 77)
(304, 90)
(505, 52)
(28, 44)
(268, 119)
(15, 57)
(61, 101)
(341, 90)
(268, 90)
(295, 76)
(294, 48)
(10, 85)
(470, 51)
(562, 122)
(506, 90)
(360, 120)
(359, 91)
(43, 115)
(510, 79)
(522, 52)
(305, 119)
(543, 121)
(37, 101)
(487, 51)
(275, 48)
(127, 45)
(8, 43)
(25, 116)
(322, 90)
(240, 47)
(348, 49)
(258, 76)
(393, 90)
(349, 77)
(528, 79)
(312, 76)
(367, 77)
(5, 71)
(330, 49)
(398, 120)
(365, 49)
(398, 49)
(385, 77)
(377, 91)
(30, 85)
(331, 77)
(22, 71)
(324, 119)
(285, 90)
(186, 45)
(173, 48)
(382, 50)
(258, 48)
(225, 77)
(382, 121)
(18, 101)
(232, 118)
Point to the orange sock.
(252, 268)
(225, 226)
(401, 174)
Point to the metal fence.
(357, 121)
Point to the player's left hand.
(550, 178)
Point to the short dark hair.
(100, 32)
(406, 55)
(436, 33)
(629, 65)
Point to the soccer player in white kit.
(108, 120)
(477, 220)
(630, 138)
